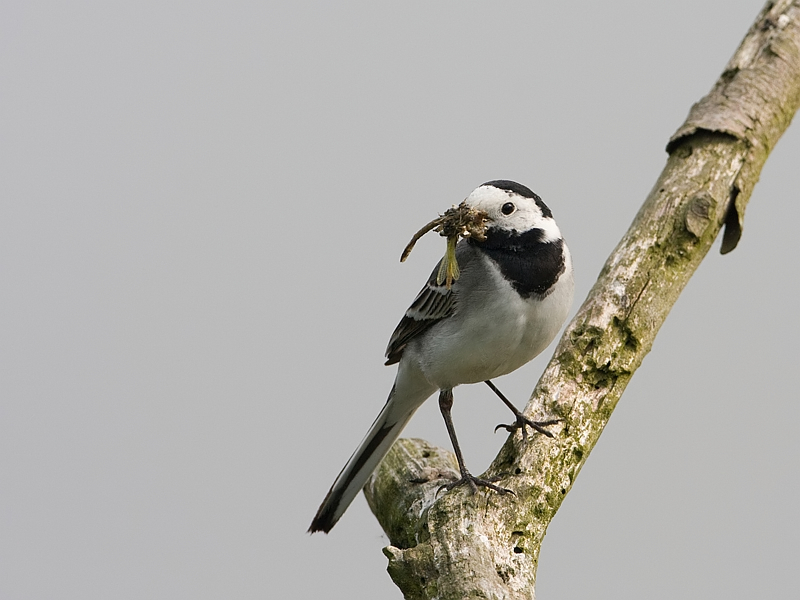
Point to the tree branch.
(457, 545)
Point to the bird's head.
(513, 209)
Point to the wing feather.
(433, 303)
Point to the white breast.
(494, 330)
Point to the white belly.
(492, 333)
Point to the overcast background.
(202, 206)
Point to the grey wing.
(434, 303)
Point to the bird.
(513, 294)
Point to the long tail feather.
(383, 433)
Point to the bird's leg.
(445, 405)
(522, 421)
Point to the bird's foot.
(524, 422)
(474, 483)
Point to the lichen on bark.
(457, 545)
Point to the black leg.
(445, 405)
(522, 421)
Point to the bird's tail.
(383, 433)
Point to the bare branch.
(457, 545)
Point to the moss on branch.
(457, 545)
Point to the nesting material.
(457, 222)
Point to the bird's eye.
(508, 208)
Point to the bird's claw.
(474, 483)
(524, 422)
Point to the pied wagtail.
(514, 293)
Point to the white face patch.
(526, 214)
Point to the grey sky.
(202, 207)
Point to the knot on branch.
(699, 214)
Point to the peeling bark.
(457, 545)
